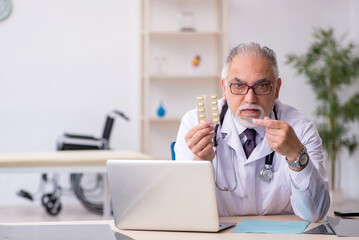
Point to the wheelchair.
(50, 200)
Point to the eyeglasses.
(258, 89)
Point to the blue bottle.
(161, 110)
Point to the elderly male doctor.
(271, 165)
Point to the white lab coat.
(305, 193)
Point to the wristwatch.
(301, 160)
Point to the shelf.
(187, 77)
(178, 33)
(168, 77)
(163, 120)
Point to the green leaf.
(351, 108)
(328, 65)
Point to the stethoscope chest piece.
(267, 173)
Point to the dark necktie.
(250, 143)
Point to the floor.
(36, 213)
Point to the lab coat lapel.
(261, 150)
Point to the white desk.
(72, 158)
(225, 235)
(74, 161)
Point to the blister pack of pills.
(207, 106)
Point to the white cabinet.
(173, 33)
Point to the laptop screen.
(163, 195)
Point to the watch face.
(303, 159)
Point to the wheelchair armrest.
(69, 135)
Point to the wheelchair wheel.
(51, 203)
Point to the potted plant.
(329, 65)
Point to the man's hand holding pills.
(199, 140)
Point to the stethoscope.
(266, 174)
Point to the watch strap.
(296, 163)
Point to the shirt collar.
(240, 128)
(261, 130)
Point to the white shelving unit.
(167, 73)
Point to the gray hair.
(254, 49)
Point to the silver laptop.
(164, 195)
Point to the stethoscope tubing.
(266, 174)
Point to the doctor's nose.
(250, 97)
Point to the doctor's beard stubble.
(246, 123)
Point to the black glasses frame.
(251, 87)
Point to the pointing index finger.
(267, 122)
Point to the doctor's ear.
(277, 88)
(224, 87)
